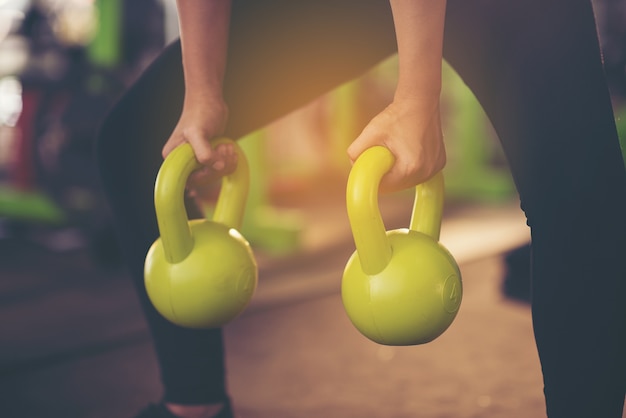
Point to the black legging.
(535, 67)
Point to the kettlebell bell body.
(408, 294)
(400, 287)
(200, 273)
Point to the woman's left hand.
(411, 130)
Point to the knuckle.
(204, 156)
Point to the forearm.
(419, 28)
(410, 127)
(204, 26)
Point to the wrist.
(418, 99)
(426, 89)
(198, 97)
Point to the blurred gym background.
(62, 65)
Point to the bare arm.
(419, 32)
(204, 26)
(410, 126)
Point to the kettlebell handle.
(169, 201)
(368, 229)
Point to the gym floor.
(74, 342)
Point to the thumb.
(201, 147)
(173, 142)
(364, 141)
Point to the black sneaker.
(156, 411)
(160, 411)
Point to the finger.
(198, 176)
(225, 158)
(201, 148)
(224, 161)
(394, 181)
(356, 148)
(359, 145)
(174, 141)
(406, 174)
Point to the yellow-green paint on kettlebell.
(201, 273)
(400, 287)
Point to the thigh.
(536, 68)
(128, 148)
(285, 53)
(282, 54)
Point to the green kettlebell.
(200, 273)
(399, 287)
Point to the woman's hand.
(204, 26)
(200, 123)
(411, 129)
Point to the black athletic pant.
(535, 67)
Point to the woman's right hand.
(201, 122)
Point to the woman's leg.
(129, 156)
(535, 66)
(283, 53)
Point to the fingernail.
(218, 165)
